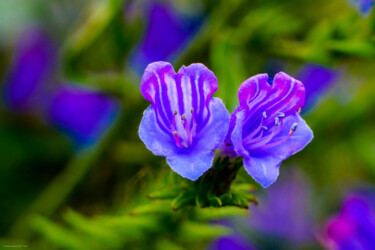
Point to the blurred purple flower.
(31, 71)
(317, 80)
(167, 32)
(354, 227)
(266, 127)
(81, 113)
(184, 122)
(363, 6)
(285, 203)
(231, 242)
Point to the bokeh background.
(72, 168)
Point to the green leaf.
(167, 193)
(212, 213)
(196, 231)
(60, 236)
(183, 199)
(102, 234)
(152, 208)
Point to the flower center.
(184, 128)
(262, 136)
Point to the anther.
(175, 112)
(299, 110)
(280, 115)
(264, 114)
(184, 116)
(174, 132)
(192, 110)
(277, 121)
(264, 128)
(294, 127)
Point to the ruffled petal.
(155, 139)
(198, 84)
(214, 133)
(184, 122)
(191, 164)
(263, 164)
(254, 88)
(236, 135)
(264, 170)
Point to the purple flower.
(354, 227)
(291, 196)
(363, 6)
(184, 122)
(82, 114)
(266, 127)
(30, 72)
(166, 33)
(317, 80)
(232, 242)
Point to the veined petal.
(263, 164)
(155, 139)
(213, 135)
(266, 128)
(191, 164)
(236, 134)
(184, 122)
(198, 83)
(256, 87)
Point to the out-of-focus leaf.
(353, 47)
(183, 199)
(100, 14)
(60, 236)
(195, 231)
(167, 193)
(152, 208)
(228, 67)
(211, 213)
(102, 234)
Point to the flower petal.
(236, 135)
(263, 164)
(184, 122)
(213, 135)
(256, 87)
(155, 139)
(191, 164)
(198, 83)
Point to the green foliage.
(213, 189)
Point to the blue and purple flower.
(266, 128)
(317, 80)
(167, 32)
(184, 122)
(81, 113)
(363, 6)
(354, 227)
(31, 71)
